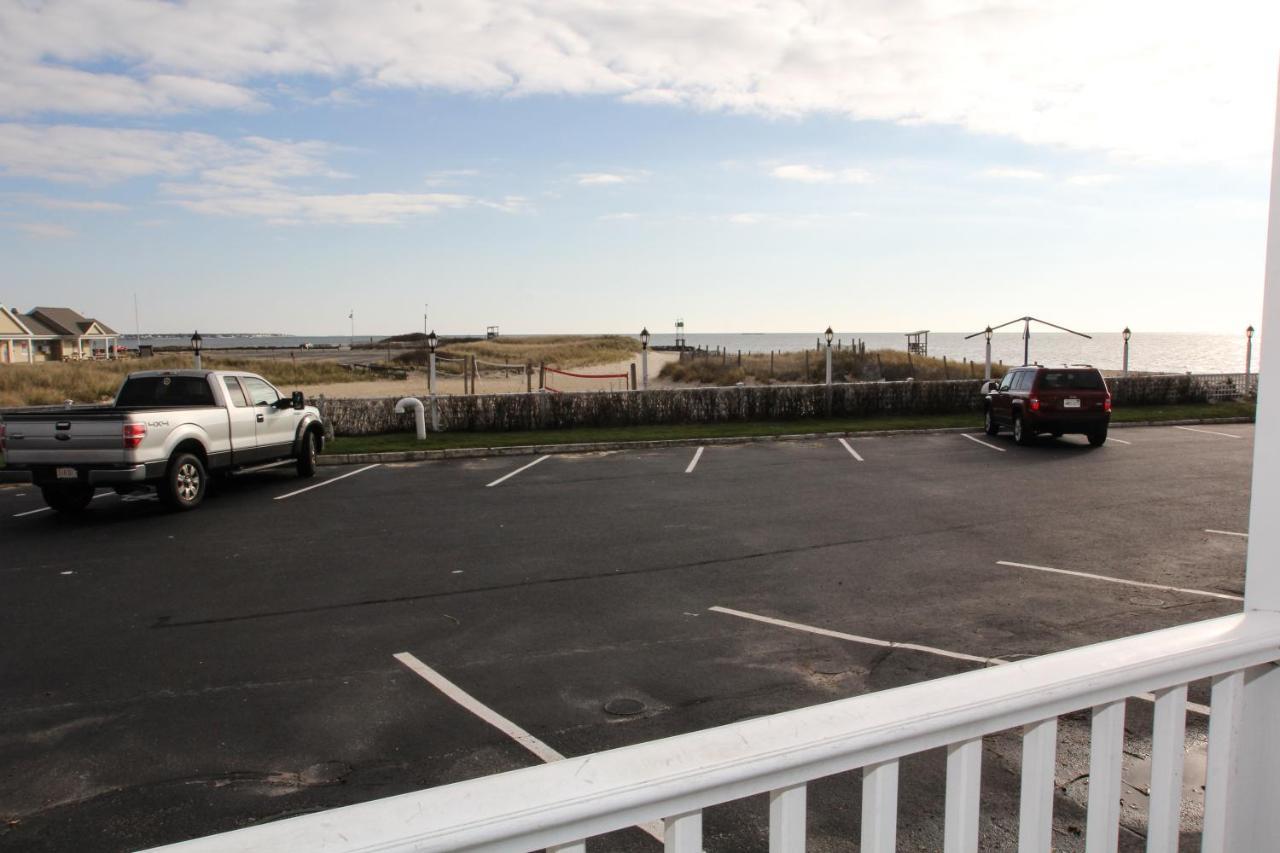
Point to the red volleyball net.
(559, 381)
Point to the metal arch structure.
(1026, 333)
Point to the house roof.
(64, 321)
(37, 328)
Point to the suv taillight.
(1106, 404)
(133, 435)
(1035, 404)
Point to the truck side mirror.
(299, 401)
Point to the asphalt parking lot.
(167, 676)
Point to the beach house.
(53, 334)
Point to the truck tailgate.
(74, 438)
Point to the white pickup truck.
(167, 430)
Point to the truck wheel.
(185, 482)
(1021, 434)
(1099, 438)
(308, 453)
(989, 425)
(68, 498)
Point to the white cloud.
(601, 179)
(75, 205)
(623, 216)
(789, 220)
(45, 230)
(1090, 180)
(1146, 80)
(806, 174)
(441, 177)
(269, 179)
(1014, 174)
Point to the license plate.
(67, 474)
(1071, 403)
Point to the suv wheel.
(1099, 438)
(1021, 434)
(989, 425)
(185, 483)
(69, 498)
(307, 454)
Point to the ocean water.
(1157, 352)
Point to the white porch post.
(31, 351)
(1253, 819)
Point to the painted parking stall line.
(511, 474)
(977, 440)
(852, 452)
(1124, 581)
(1207, 431)
(50, 509)
(541, 750)
(693, 463)
(329, 482)
(914, 647)
(1226, 532)
(1118, 440)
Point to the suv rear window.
(166, 391)
(1072, 380)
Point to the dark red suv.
(1056, 400)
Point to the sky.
(592, 166)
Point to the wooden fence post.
(806, 365)
(633, 376)
(770, 364)
(542, 376)
(945, 373)
(528, 377)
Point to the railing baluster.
(571, 847)
(787, 817)
(1224, 724)
(880, 807)
(1102, 834)
(964, 783)
(1168, 748)
(683, 833)
(1039, 756)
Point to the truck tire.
(185, 482)
(989, 426)
(1099, 438)
(70, 498)
(307, 454)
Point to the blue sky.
(572, 167)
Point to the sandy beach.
(492, 381)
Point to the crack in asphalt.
(166, 622)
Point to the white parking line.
(540, 749)
(983, 443)
(697, 454)
(1124, 581)
(47, 509)
(1226, 533)
(854, 638)
(1207, 432)
(329, 481)
(890, 644)
(852, 452)
(1118, 440)
(506, 477)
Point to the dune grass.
(96, 381)
(846, 366)
(972, 420)
(563, 351)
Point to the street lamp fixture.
(1248, 333)
(432, 341)
(828, 334)
(1248, 353)
(644, 337)
(988, 333)
(1127, 334)
(197, 343)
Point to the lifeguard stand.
(491, 332)
(918, 342)
(680, 334)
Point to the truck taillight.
(1035, 404)
(1106, 404)
(133, 435)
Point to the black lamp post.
(1126, 334)
(197, 343)
(644, 358)
(1248, 352)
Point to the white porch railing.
(557, 806)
